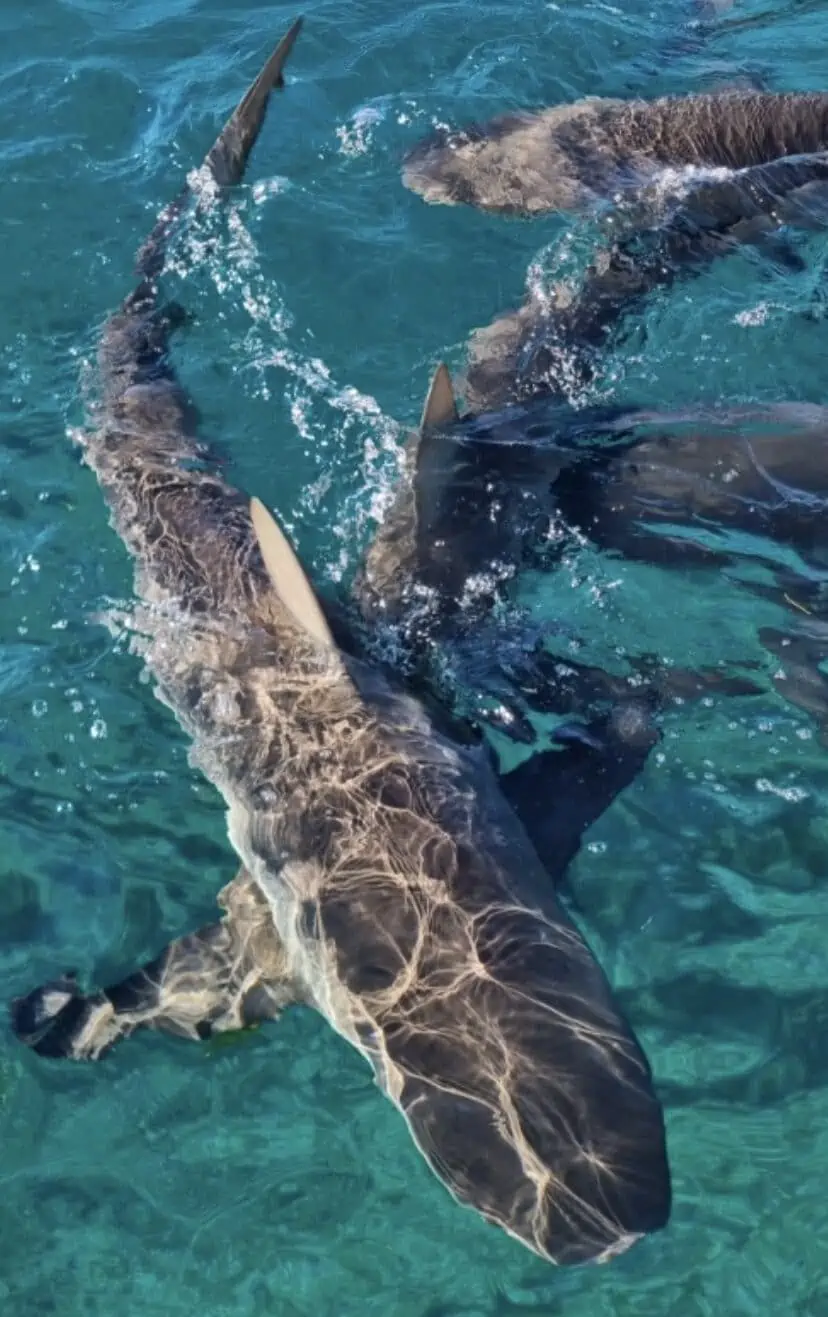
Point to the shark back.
(410, 905)
(567, 156)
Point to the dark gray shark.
(386, 882)
(480, 497)
(715, 487)
(552, 344)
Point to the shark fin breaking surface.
(288, 576)
(440, 405)
(226, 161)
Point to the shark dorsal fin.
(440, 405)
(288, 576)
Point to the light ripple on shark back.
(386, 881)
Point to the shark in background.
(553, 344)
(574, 157)
(670, 184)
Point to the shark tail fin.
(227, 158)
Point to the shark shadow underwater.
(749, 487)
(386, 882)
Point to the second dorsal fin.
(440, 405)
(288, 576)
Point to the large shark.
(386, 881)
(572, 157)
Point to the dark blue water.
(265, 1174)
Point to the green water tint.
(273, 1177)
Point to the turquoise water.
(265, 1174)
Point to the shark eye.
(537, 431)
(264, 796)
(373, 978)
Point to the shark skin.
(385, 881)
(571, 157)
(550, 346)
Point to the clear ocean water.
(265, 1174)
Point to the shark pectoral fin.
(228, 157)
(207, 982)
(558, 794)
(52, 1018)
(440, 407)
(288, 576)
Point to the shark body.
(385, 879)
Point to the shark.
(553, 344)
(385, 880)
(573, 157)
(674, 183)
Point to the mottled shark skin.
(226, 976)
(385, 881)
(570, 157)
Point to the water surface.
(265, 1174)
